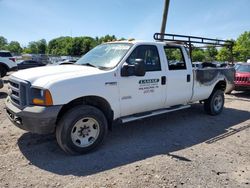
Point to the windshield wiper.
(99, 67)
(90, 65)
(104, 68)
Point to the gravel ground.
(181, 149)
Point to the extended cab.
(114, 82)
(7, 63)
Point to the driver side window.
(149, 55)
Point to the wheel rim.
(85, 132)
(218, 102)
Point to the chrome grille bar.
(18, 92)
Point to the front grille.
(18, 90)
(14, 92)
(14, 85)
(241, 79)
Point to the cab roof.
(147, 42)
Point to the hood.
(44, 75)
(246, 74)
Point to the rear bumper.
(36, 119)
(13, 69)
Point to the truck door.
(143, 93)
(179, 77)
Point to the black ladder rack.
(191, 40)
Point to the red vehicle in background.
(242, 77)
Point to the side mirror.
(139, 67)
(136, 69)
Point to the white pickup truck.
(115, 82)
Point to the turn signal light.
(48, 98)
(38, 101)
(46, 101)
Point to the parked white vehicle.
(114, 82)
(7, 63)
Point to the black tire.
(71, 119)
(3, 71)
(215, 103)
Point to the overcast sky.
(29, 20)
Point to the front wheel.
(215, 103)
(81, 129)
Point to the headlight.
(41, 97)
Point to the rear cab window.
(5, 54)
(175, 58)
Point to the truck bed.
(205, 78)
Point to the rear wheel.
(215, 103)
(3, 71)
(81, 129)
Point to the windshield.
(105, 55)
(243, 68)
(236, 66)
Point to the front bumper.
(238, 87)
(36, 119)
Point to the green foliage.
(78, 46)
(173, 54)
(106, 38)
(14, 47)
(198, 55)
(32, 46)
(41, 46)
(81, 45)
(27, 50)
(210, 53)
(224, 54)
(3, 43)
(242, 47)
(36, 47)
(60, 46)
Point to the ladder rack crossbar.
(191, 39)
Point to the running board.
(153, 113)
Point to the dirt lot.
(181, 149)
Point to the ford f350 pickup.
(117, 81)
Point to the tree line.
(77, 46)
(74, 46)
(241, 51)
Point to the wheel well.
(95, 101)
(221, 85)
(4, 65)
